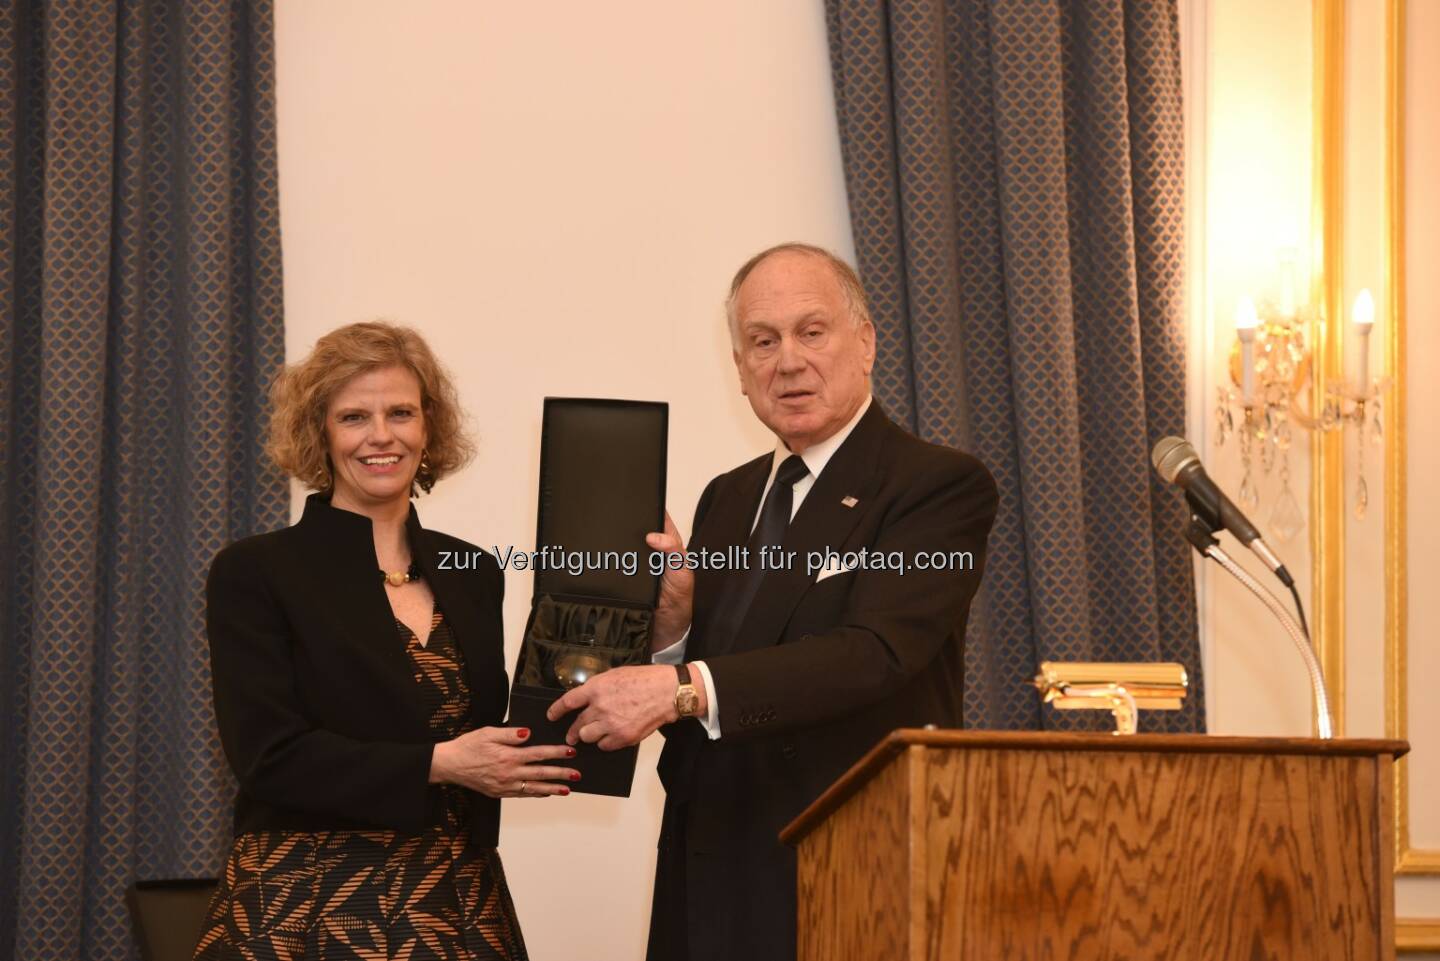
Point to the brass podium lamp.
(1120, 688)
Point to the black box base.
(601, 772)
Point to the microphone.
(1177, 463)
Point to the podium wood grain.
(961, 845)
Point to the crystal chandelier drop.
(1269, 394)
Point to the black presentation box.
(602, 489)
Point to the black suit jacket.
(318, 710)
(819, 671)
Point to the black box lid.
(602, 488)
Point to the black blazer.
(817, 673)
(318, 710)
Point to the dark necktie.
(769, 532)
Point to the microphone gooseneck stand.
(1204, 541)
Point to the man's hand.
(677, 590)
(621, 707)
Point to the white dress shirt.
(815, 457)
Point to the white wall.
(1420, 896)
(1248, 142)
(556, 195)
(1249, 84)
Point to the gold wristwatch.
(687, 702)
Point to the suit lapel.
(455, 592)
(823, 522)
(727, 524)
(339, 549)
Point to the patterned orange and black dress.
(342, 895)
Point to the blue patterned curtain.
(140, 316)
(1016, 192)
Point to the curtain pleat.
(140, 321)
(1016, 193)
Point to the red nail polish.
(569, 752)
(574, 775)
(564, 791)
(523, 733)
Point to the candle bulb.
(1246, 320)
(1363, 316)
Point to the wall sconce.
(1270, 365)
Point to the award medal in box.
(602, 489)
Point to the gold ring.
(522, 786)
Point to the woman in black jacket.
(359, 689)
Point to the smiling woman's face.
(376, 431)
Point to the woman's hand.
(495, 762)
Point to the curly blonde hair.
(301, 394)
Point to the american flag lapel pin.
(849, 501)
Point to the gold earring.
(425, 474)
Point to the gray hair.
(845, 276)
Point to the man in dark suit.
(865, 549)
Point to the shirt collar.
(816, 456)
(324, 518)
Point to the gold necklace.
(400, 578)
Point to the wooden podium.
(1014, 845)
